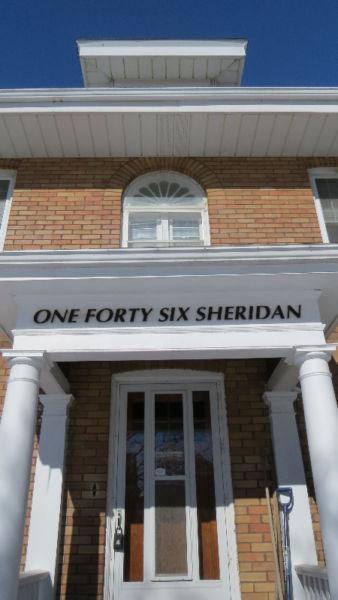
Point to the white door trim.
(171, 376)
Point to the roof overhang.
(110, 63)
(169, 122)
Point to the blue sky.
(291, 42)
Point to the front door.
(169, 495)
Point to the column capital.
(280, 402)
(21, 357)
(301, 354)
(56, 405)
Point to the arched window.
(164, 209)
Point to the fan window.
(164, 209)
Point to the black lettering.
(172, 313)
(104, 315)
(163, 315)
(229, 313)
(133, 312)
(296, 312)
(90, 314)
(259, 310)
(250, 317)
(146, 313)
(73, 315)
(278, 312)
(240, 312)
(183, 313)
(119, 315)
(200, 313)
(42, 316)
(60, 316)
(217, 312)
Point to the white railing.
(314, 581)
(34, 585)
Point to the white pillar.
(16, 447)
(321, 419)
(43, 539)
(290, 473)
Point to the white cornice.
(165, 99)
(245, 255)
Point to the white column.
(321, 418)
(16, 447)
(43, 539)
(290, 473)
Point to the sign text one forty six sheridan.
(168, 314)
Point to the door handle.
(118, 534)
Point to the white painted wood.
(83, 134)
(50, 135)
(18, 135)
(326, 137)
(148, 129)
(99, 129)
(17, 431)
(198, 128)
(311, 135)
(43, 537)
(325, 173)
(34, 585)
(290, 473)
(279, 134)
(33, 134)
(7, 148)
(295, 135)
(116, 135)
(215, 124)
(314, 581)
(246, 135)
(65, 128)
(10, 176)
(181, 133)
(132, 128)
(230, 135)
(321, 419)
(156, 382)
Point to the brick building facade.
(231, 304)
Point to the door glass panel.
(205, 488)
(169, 437)
(134, 500)
(170, 529)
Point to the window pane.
(170, 528)
(332, 232)
(4, 185)
(327, 188)
(205, 488)
(143, 227)
(134, 503)
(169, 436)
(185, 226)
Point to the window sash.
(327, 193)
(168, 228)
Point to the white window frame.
(321, 173)
(126, 211)
(10, 176)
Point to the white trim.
(10, 176)
(151, 48)
(321, 173)
(175, 377)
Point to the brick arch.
(192, 167)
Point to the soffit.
(249, 122)
(161, 62)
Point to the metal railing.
(314, 581)
(34, 585)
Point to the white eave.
(110, 63)
(169, 121)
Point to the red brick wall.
(76, 203)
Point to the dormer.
(162, 63)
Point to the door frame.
(179, 377)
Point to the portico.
(217, 304)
